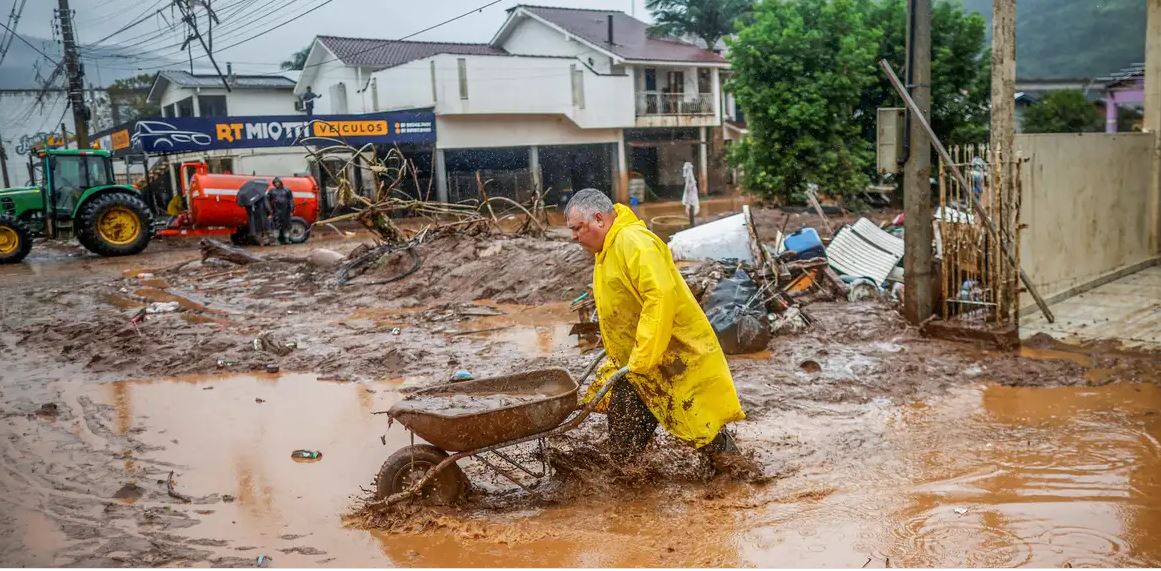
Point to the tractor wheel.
(409, 465)
(116, 224)
(299, 231)
(15, 239)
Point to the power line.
(14, 21)
(29, 44)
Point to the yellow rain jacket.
(651, 322)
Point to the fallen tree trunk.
(215, 249)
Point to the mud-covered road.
(162, 440)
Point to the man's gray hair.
(588, 202)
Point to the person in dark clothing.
(257, 214)
(282, 207)
(308, 101)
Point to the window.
(339, 98)
(220, 165)
(212, 105)
(68, 180)
(650, 79)
(675, 81)
(98, 171)
(185, 107)
(703, 81)
(463, 66)
(578, 86)
(169, 111)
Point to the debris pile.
(724, 258)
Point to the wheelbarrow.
(480, 419)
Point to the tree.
(1062, 112)
(297, 60)
(709, 20)
(128, 98)
(800, 71)
(960, 70)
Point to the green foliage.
(815, 98)
(800, 71)
(297, 60)
(1062, 112)
(1074, 38)
(960, 70)
(710, 20)
(128, 98)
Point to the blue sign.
(186, 134)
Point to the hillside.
(1073, 38)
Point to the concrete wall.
(467, 132)
(239, 102)
(1086, 199)
(23, 121)
(331, 73)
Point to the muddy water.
(988, 475)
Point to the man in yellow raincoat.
(651, 323)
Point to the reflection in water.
(991, 476)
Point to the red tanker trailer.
(211, 207)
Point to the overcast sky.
(96, 19)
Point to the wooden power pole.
(918, 234)
(1003, 128)
(76, 71)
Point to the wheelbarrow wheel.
(409, 465)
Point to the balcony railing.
(652, 103)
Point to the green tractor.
(78, 198)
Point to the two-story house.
(559, 99)
(184, 94)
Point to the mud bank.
(876, 443)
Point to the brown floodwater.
(985, 476)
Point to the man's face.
(589, 232)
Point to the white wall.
(239, 101)
(468, 132)
(331, 73)
(260, 102)
(408, 86)
(532, 37)
(511, 85)
(276, 161)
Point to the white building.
(183, 94)
(560, 98)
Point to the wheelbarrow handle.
(589, 371)
(587, 409)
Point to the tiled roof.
(382, 54)
(1131, 73)
(630, 38)
(187, 79)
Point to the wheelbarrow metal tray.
(546, 397)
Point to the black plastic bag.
(736, 315)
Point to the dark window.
(650, 79)
(212, 105)
(169, 111)
(185, 107)
(676, 81)
(703, 81)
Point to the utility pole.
(4, 162)
(917, 230)
(76, 71)
(1003, 128)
